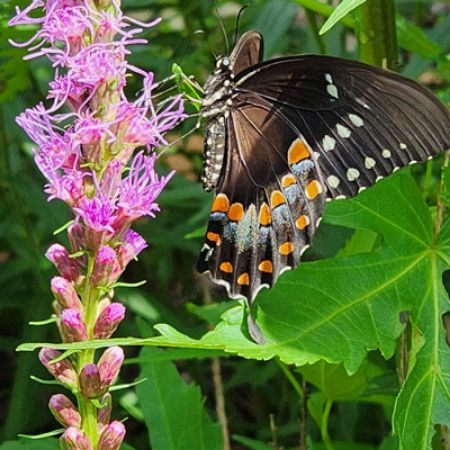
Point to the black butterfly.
(285, 135)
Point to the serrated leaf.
(341, 11)
(174, 411)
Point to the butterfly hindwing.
(265, 212)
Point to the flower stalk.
(86, 141)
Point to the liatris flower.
(86, 155)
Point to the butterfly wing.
(268, 203)
(362, 122)
(248, 52)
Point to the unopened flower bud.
(106, 268)
(104, 413)
(65, 294)
(90, 381)
(75, 439)
(66, 266)
(73, 328)
(62, 370)
(112, 436)
(109, 365)
(109, 320)
(132, 245)
(64, 411)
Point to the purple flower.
(132, 244)
(106, 267)
(66, 266)
(62, 370)
(90, 381)
(65, 294)
(112, 436)
(109, 365)
(140, 189)
(108, 320)
(64, 411)
(73, 329)
(75, 439)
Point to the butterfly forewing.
(299, 129)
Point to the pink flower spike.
(132, 244)
(66, 266)
(108, 320)
(73, 328)
(65, 294)
(64, 411)
(75, 439)
(109, 365)
(90, 381)
(62, 370)
(112, 437)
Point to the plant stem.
(377, 34)
(441, 206)
(324, 425)
(87, 409)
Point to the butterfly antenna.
(222, 27)
(238, 21)
(202, 32)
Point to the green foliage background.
(357, 337)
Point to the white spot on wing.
(352, 174)
(369, 163)
(328, 143)
(402, 146)
(329, 78)
(333, 181)
(332, 90)
(343, 131)
(386, 153)
(356, 120)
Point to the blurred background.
(189, 35)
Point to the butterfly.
(285, 135)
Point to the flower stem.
(87, 409)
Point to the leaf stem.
(295, 384)
(324, 425)
(441, 206)
(377, 33)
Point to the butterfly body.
(285, 135)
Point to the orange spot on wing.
(286, 248)
(214, 237)
(302, 222)
(276, 199)
(265, 218)
(288, 180)
(266, 266)
(226, 267)
(244, 279)
(220, 203)
(313, 189)
(236, 212)
(298, 151)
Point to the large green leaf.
(173, 410)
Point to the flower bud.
(109, 365)
(64, 411)
(75, 439)
(112, 436)
(106, 268)
(62, 370)
(104, 413)
(109, 320)
(73, 328)
(90, 381)
(132, 245)
(65, 294)
(66, 266)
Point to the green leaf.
(342, 10)
(22, 444)
(174, 411)
(251, 443)
(413, 39)
(38, 437)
